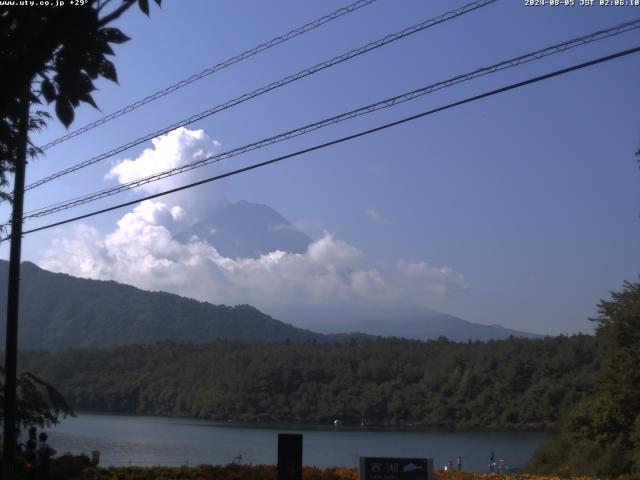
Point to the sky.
(521, 209)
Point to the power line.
(383, 104)
(211, 70)
(512, 86)
(272, 86)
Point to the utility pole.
(13, 294)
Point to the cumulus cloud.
(177, 148)
(149, 249)
(142, 251)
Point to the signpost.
(385, 468)
(289, 456)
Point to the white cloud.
(421, 278)
(142, 251)
(149, 249)
(177, 148)
(374, 215)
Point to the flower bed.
(79, 468)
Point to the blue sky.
(532, 196)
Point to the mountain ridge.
(59, 311)
(404, 321)
(247, 230)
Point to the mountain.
(407, 321)
(248, 230)
(58, 311)
(245, 229)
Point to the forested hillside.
(59, 311)
(515, 383)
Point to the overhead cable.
(386, 103)
(211, 70)
(363, 133)
(272, 86)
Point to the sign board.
(289, 456)
(385, 468)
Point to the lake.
(142, 440)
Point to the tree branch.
(126, 5)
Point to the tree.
(40, 404)
(618, 383)
(50, 54)
(601, 436)
(53, 54)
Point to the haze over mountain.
(254, 255)
(407, 321)
(246, 230)
(59, 311)
(201, 245)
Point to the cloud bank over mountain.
(171, 245)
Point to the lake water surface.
(140, 440)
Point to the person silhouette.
(45, 452)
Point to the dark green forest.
(514, 384)
(600, 436)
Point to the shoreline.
(347, 427)
(153, 440)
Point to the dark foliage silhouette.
(53, 55)
(39, 403)
(601, 436)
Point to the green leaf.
(64, 111)
(144, 6)
(48, 90)
(87, 98)
(92, 65)
(108, 70)
(114, 35)
(103, 47)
